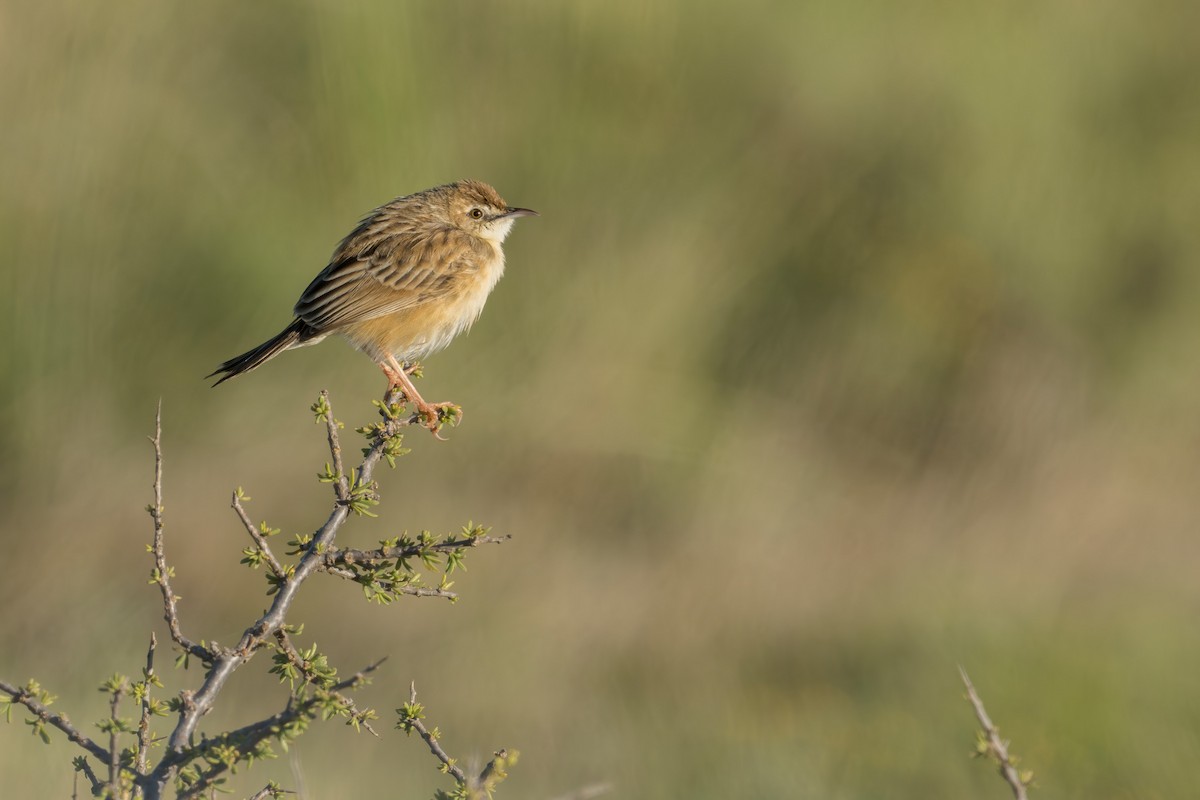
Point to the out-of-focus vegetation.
(855, 341)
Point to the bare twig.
(143, 735)
(993, 746)
(82, 765)
(270, 790)
(162, 572)
(26, 698)
(256, 535)
(114, 750)
(341, 486)
(480, 786)
(358, 678)
(431, 741)
(426, 591)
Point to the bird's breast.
(429, 326)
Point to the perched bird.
(414, 274)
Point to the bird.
(413, 275)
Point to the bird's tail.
(299, 332)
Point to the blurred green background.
(855, 341)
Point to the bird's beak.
(520, 212)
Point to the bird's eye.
(476, 213)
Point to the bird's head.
(478, 209)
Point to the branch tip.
(992, 746)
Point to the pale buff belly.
(424, 329)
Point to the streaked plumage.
(414, 274)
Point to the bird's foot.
(434, 415)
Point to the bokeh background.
(856, 341)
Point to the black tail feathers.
(296, 333)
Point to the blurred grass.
(855, 341)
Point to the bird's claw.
(434, 415)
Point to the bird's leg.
(398, 379)
(430, 413)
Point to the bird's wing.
(384, 267)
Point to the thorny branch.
(270, 790)
(335, 690)
(341, 485)
(369, 566)
(143, 735)
(993, 746)
(413, 720)
(249, 737)
(26, 696)
(82, 765)
(162, 572)
(340, 557)
(227, 660)
(412, 591)
(479, 786)
(259, 540)
(207, 760)
(114, 749)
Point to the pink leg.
(398, 379)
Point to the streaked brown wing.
(385, 266)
